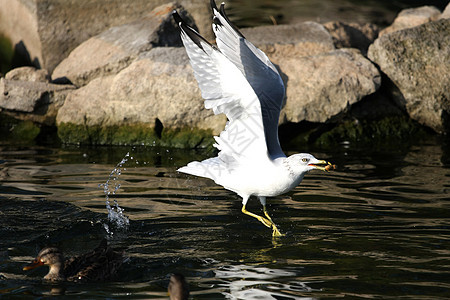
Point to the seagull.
(238, 79)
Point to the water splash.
(116, 216)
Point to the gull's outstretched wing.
(226, 90)
(260, 73)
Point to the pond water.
(377, 227)
(246, 13)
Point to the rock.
(417, 62)
(446, 13)
(352, 35)
(46, 31)
(35, 101)
(303, 39)
(28, 74)
(324, 86)
(116, 48)
(156, 94)
(411, 17)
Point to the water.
(115, 213)
(378, 227)
(246, 13)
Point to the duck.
(98, 265)
(178, 287)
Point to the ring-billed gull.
(238, 79)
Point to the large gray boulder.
(28, 74)
(156, 90)
(324, 86)
(417, 61)
(302, 39)
(116, 48)
(446, 13)
(26, 94)
(411, 17)
(48, 30)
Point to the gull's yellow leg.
(261, 219)
(276, 232)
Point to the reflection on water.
(253, 282)
(378, 227)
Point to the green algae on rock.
(12, 129)
(390, 129)
(134, 135)
(386, 131)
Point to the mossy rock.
(15, 130)
(26, 131)
(142, 135)
(393, 129)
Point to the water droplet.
(115, 213)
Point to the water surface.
(247, 13)
(378, 227)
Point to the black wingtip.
(224, 15)
(176, 17)
(213, 5)
(191, 33)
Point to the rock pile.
(46, 31)
(417, 61)
(132, 83)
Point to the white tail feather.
(212, 168)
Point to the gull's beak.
(36, 263)
(323, 165)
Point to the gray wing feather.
(226, 90)
(261, 74)
(207, 74)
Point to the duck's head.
(51, 257)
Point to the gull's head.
(305, 162)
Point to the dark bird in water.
(100, 264)
(178, 287)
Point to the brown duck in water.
(100, 264)
(178, 287)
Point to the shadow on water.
(377, 227)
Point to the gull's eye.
(304, 159)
